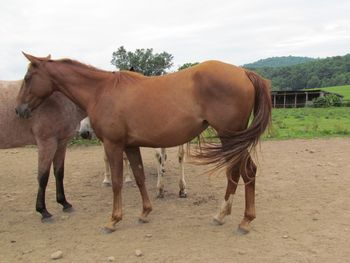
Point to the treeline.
(274, 62)
(319, 73)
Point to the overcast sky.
(233, 31)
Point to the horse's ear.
(48, 57)
(132, 69)
(32, 59)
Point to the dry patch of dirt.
(302, 201)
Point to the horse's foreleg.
(114, 154)
(248, 176)
(135, 160)
(182, 182)
(58, 167)
(225, 209)
(107, 180)
(160, 155)
(46, 152)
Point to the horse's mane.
(81, 65)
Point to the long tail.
(236, 146)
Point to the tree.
(187, 65)
(313, 82)
(142, 60)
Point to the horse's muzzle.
(86, 135)
(23, 111)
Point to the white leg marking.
(107, 180)
(225, 210)
(182, 182)
(127, 169)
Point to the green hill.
(278, 62)
(327, 72)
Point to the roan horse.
(87, 132)
(128, 110)
(52, 125)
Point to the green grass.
(342, 90)
(309, 123)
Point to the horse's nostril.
(16, 111)
(85, 135)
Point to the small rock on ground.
(57, 255)
(138, 253)
(111, 259)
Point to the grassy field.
(309, 123)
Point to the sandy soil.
(303, 210)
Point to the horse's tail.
(236, 146)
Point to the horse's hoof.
(242, 231)
(107, 230)
(47, 218)
(68, 209)
(160, 194)
(217, 221)
(182, 194)
(45, 215)
(143, 220)
(106, 183)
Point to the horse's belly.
(166, 136)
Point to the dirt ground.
(303, 210)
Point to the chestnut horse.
(51, 126)
(128, 110)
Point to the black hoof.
(68, 209)
(182, 194)
(46, 217)
(161, 194)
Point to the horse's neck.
(81, 87)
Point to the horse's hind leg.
(248, 175)
(46, 152)
(225, 209)
(58, 167)
(135, 160)
(182, 182)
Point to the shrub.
(329, 100)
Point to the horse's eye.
(27, 77)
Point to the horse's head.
(85, 129)
(36, 86)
